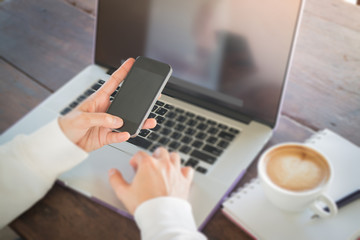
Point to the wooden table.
(44, 43)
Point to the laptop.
(230, 63)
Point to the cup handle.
(330, 204)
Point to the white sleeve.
(29, 165)
(166, 218)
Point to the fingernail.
(127, 135)
(117, 121)
(191, 170)
(137, 157)
(112, 172)
(157, 152)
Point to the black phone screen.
(135, 97)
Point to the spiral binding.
(239, 192)
(315, 137)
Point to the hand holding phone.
(139, 92)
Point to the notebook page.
(250, 209)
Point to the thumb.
(118, 183)
(100, 120)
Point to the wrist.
(165, 211)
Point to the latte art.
(295, 169)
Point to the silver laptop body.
(230, 61)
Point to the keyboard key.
(96, 86)
(165, 131)
(176, 135)
(89, 92)
(201, 135)
(65, 111)
(222, 126)
(139, 141)
(203, 156)
(114, 93)
(179, 110)
(226, 135)
(191, 122)
(169, 123)
(153, 136)
(164, 140)
(202, 126)
(211, 140)
(168, 106)
(185, 149)
(211, 122)
(213, 130)
(181, 118)
(213, 150)
(101, 81)
(73, 104)
(159, 103)
(197, 144)
(161, 111)
(200, 118)
(201, 170)
(179, 127)
(171, 115)
(189, 114)
(223, 144)
(81, 98)
(144, 132)
(154, 147)
(156, 128)
(160, 119)
(111, 71)
(154, 108)
(234, 131)
(191, 162)
(174, 145)
(186, 139)
(152, 115)
(190, 131)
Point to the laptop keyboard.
(200, 141)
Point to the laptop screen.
(230, 56)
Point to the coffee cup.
(295, 177)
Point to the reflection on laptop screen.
(235, 51)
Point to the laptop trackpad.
(91, 176)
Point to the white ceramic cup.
(313, 197)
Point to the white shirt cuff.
(50, 152)
(166, 218)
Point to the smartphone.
(139, 92)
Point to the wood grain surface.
(44, 43)
(324, 86)
(18, 94)
(50, 40)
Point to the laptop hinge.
(205, 103)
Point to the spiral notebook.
(250, 210)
